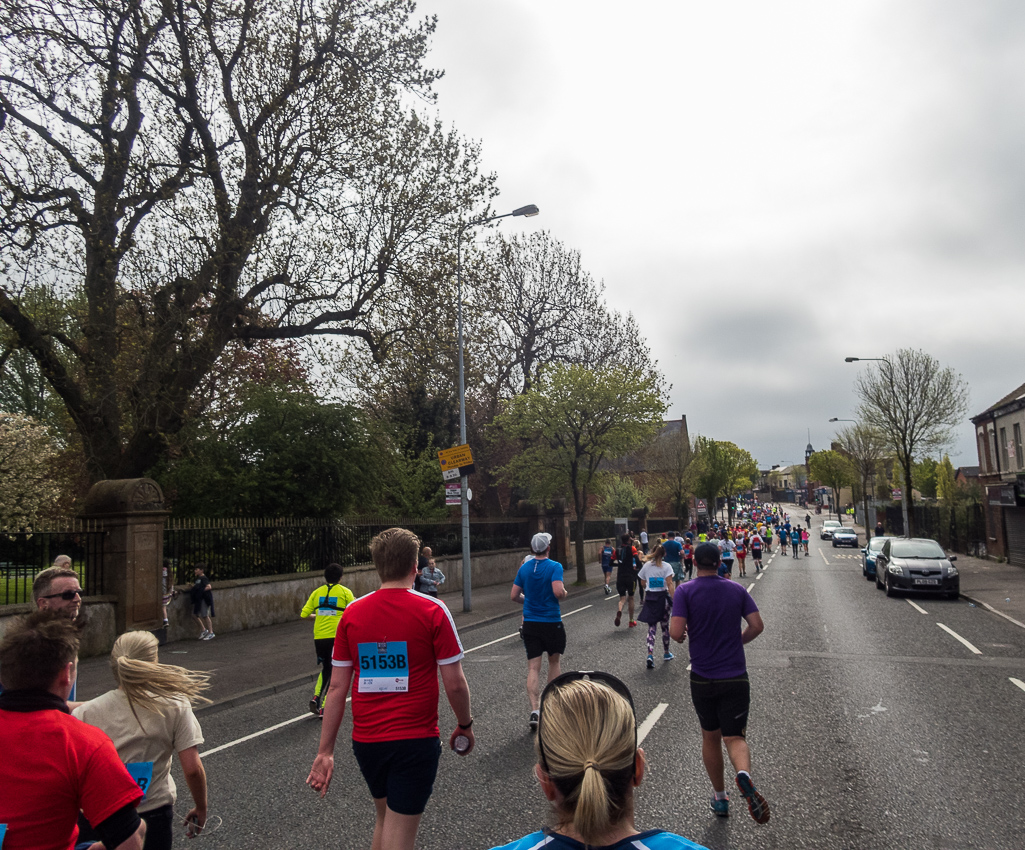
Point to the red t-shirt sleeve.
(447, 647)
(341, 656)
(106, 784)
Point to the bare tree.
(915, 404)
(190, 174)
(864, 446)
(670, 469)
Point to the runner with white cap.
(538, 587)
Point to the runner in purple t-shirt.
(708, 609)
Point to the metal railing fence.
(961, 528)
(23, 554)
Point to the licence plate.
(927, 581)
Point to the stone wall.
(252, 603)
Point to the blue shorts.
(402, 772)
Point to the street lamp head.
(850, 360)
(834, 419)
(529, 211)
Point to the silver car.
(916, 564)
(845, 536)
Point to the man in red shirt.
(53, 764)
(397, 639)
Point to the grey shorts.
(201, 609)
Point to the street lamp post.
(528, 211)
(907, 484)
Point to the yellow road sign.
(455, 458)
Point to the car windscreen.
(916, 549)
(876, 543)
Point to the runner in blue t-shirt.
(538, 587)
(674, 556)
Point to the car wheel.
(953, 595)
(889, 588)
(869, 576)
(834, 544)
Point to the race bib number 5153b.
(383, 667)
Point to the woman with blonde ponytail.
(149, 718)
(588, 764)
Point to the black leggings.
(325, 647)
(159, 831)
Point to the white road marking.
(612, 597)
(824, 558)
(1018, 682)
(760, 574)
(490, 642)
(230, 744)
(918, 608)
(650, 721)
(284, 723)
(956, 636)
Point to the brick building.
(998, 436)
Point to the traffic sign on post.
(458, 459)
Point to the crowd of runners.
(383, 653)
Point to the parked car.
(916, 564)
(828, 527)
(845, 536)
(868, 556)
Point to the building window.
(994, 458)
(1018, 459)
(983, 463)
(1004, 454)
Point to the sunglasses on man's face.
(606, 679)
(66, 595)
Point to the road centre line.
(918, 608)
(1018, 682)
(650, 721)
(284, 723)
(824, 558)
(956, 636)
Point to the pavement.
(256, 663)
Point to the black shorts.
(539, 638)
(722, 704)
(400, 771)
(626, 583)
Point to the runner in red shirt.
(53, 764)
(395, 640)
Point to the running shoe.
(315, 705)
(203, 634)
(721, 808)
(608, 590)
(166, 624)
(755, 802)
(619, 617)
(633, 623)
(651, 663)
(668, 656)
(534, 717)
(210, 636)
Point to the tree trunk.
(581, 565)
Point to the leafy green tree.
(923, 476)
(288, 454)
(620, 496)
(197, 174)
(723, 469)
(571, 422)
(835, 470)
(946, 484)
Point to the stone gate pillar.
(132, 513)
(559, 514)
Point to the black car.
(916, 564)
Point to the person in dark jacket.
(203, 602)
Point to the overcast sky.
(768, 187)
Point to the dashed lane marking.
(1018, 682)
(577, 611)
(956, 636)
(823, 554)
(917, 607)
(650, 721)
(490, 642)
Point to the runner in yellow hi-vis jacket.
(326, 603)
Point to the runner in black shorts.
(626, 578)
(541, 638)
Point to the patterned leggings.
(665, 634)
